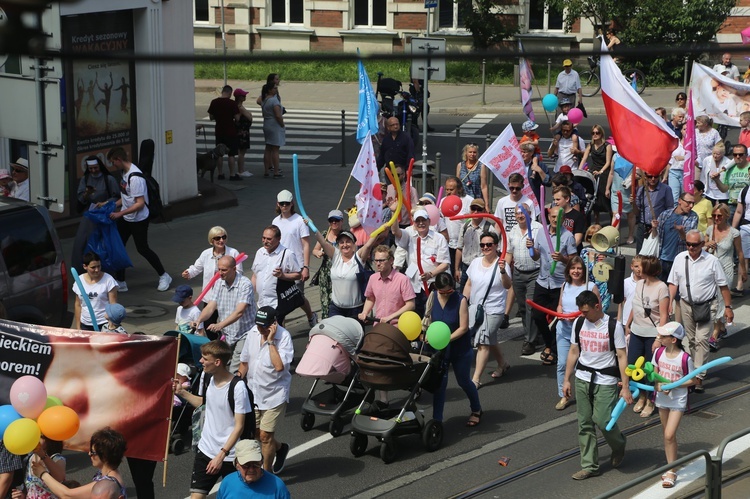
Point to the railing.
(714, 466)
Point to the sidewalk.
(445, 98)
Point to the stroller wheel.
(388, 450)
(432, 435)
(358, 444)
(177, 446)
(336, 427)
(307, 421)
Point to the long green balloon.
(558, 231)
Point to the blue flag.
(367, 118)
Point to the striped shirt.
(227, 298)
(517, 247)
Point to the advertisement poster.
(108, 379)
(101, 93)
(717, 96)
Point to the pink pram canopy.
(332, 344)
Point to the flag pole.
(344, 191)
(169, 426)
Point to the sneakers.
(221, 177)
(713, 344)
(164, 281)
(313, 320)
(527, 349)
(245, 174)
(278, 463)
(235, 177)
(584, 474)
(617, 457)
(122, 286)
(505, 322)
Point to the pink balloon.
(451, 206)
(432, 210)
(575, 116)
(28, 396)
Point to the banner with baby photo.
(720, 98)
(108, 379)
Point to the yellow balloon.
(410, 324)
(638, 374)
(639, 362)
(22, 436)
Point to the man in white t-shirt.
(598, 368)
(727, 68)
(506, 206)
(295, 236)
(222, 428)
(132, 217)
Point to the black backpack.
(154, 205)
(248, 430)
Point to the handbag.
(583, 109)
(479, 315)
(363, 276)
(701, 311)
(289, 295)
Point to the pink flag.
(690, 146)
(526, 77)
(745, 33)
(369, 199)
(503, 158)
(642, 136)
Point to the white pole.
(224, 41)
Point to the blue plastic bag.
(105, 241)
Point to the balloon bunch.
(438, 334)
(33, 413)
(635, 387)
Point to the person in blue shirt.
(250, 480)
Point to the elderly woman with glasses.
(650, 310)
(486, 287)
(724, 242)
(599, 156)
(472, 173)
(107, 448)
(331, 234)
(207, 262)
(705, 138)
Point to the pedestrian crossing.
(470, 127)
(309, 134)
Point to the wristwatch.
(728, 306)
(271, 342)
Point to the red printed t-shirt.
(595, 352)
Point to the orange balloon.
(59, 423)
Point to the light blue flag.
(367, 117)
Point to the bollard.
(343, 138)
(458, 144)
(549, 75)
(487, 141)
(484, 73)
(685, 79)
(438, 175)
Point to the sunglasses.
(424, 203)
(334, 220)
(694, 245)
(735, 154)
(486, 245)
(446, 291)
(652, 176)
(380, 260)
(18, 170)
(680, 98)
(476, 208)
(596, 133)
(687, 202)
(218, 238)
(717, 215)
(251, 466)
(515, 189)
(284, 203)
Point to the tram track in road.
(552, 461)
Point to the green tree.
(485, 20)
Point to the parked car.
(33, 277)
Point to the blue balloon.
(549, 102)
(7, 415)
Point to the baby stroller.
(386, 363)
(181, 436)
(590, 185)
(333, 344)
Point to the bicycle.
(590, 78)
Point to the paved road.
(519, 422)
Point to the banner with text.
(109, 380)
(503, 158)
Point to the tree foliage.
(484, 19)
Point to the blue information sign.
(430, 4)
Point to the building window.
(370, 12)
(543, 18)
(200, 10)
(287, 11)
(450, 14)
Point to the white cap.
(284, 197)
(672, 329)
(421, 214)
(183, 369)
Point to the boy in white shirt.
(187, 313)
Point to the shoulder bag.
(702, 310)
(289, 295)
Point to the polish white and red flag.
(370, 198)
(642, 137)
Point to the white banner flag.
(720, 98)
(369, 199)
(503, 158)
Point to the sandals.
(474, 419)
(668, 479)
(648, 410)
(638, 407)
(498, 373)
(548, 357)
